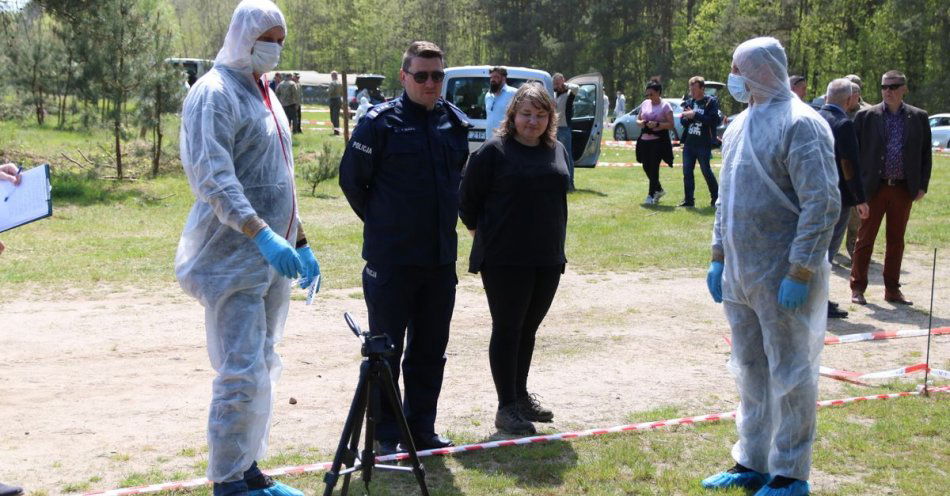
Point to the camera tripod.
(375, 377)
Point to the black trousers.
(335, 105)
(518, 298)
(297, 128)
(291, 112)
(412, 304)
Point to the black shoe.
(834, 312)
(6, 490)
(686, 204)
(510, 421)
(431, 441)
(387, 448)
(530, 408)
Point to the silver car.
(940, 130)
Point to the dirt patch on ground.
(102, 387)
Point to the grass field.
(106, 234)
(126, 233)
(880, 447)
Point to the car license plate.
(476, 135)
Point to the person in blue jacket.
(400, 173)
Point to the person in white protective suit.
(242, 243)
(362, 109)
(778, 203)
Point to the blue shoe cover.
(725, 480)
(797, 488)
(277, 489)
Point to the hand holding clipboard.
(26, 198)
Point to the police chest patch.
(402, 130)
(363, 148)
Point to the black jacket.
(846, 156)
(918, 157)
(515, 196)
(400, 173)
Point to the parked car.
(940, 130)
(467, 86)
(366, 85)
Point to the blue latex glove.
(311, 268)
(714, 281)
(278, 253)
(792, 294)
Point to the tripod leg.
(372, 409)
(351, 432)
(388, 385)
(357, 426)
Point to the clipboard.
(30, 201)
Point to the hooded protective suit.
(778, 203)
(236, 152)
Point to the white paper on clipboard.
(28, 201)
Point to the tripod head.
(374, 345)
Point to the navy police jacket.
(400, 173)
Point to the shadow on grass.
(84, 189)
(535, 465)
(589, 192)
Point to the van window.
(584, 103)
(468, 93)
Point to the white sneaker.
(649, 200)
(659, 194)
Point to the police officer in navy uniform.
(401, 173)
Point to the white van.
(467, 86)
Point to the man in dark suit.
(895, 150)
(849, 171)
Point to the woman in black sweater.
(514, 202)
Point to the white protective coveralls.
(236, 152)
(778, 203)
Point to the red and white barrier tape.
(878, 335)
(940, 373)
(644, 426)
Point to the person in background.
(564, 96)
(856, 104)
(274, 83)
(699, 118)
(298, 103)
(655, 120)
(620, 105)
(896, 160)
(285, 93)
(336, 94)
(362, 109)
(242, 243)
(497, 100)
(513, 199)
(837, 98)
(799, 86)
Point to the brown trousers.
(853, 224)
(894, 202)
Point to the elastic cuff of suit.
(799, 273)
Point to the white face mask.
(265, 56)
(738, 88)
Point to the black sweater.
(516, 198)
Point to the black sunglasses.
(423, 76)
(891, 87)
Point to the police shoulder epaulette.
(380, 109)
(456, 114)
